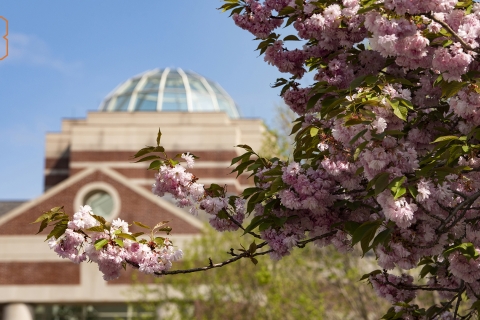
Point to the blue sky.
(66, 56)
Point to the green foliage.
(57, 218)
(309, 284)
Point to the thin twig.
(240, 225)
(211, 265)
(301, 244)
(462, 204)
(415, 288)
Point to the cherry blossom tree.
(386, 153)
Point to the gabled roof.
(6, 206)
(136, 200)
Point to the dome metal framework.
(170, 90)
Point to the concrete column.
(18, 311)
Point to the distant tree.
(277, 141)
(312, 284)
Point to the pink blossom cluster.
(290, 61)
(402, 6)
(176, 181)
(325, 26)
(213, 206)
(78, 244)
(257, 19)
(466, 105)
(452, 62)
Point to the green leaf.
(351, 226)
(255, 261)
(359, 171)
(366, 276)
(353, 122)
(364, 230)
(159, 240)
(44, 216)
(58, 230)
(96, 229)
(244, 146)
(357, 136)
(398, 110)
(394, 133)
(249, 191)
(126, 236)
(252, 248)
(141, 225)
(291, 38)
(449, 89)
(425, 270)
(312, 101)
(100, 243)
(256, 221)
(400, 192)
(159, 149)
(166, 229)
(406, 103)
(265, 225)
(159, 136)
(155, 165)
(413, 191)
(43, 225)
(445, 138)
(382, 238)
(313, 131)
(241, 167)
(381, 183)
(286, 11)
(367, 238)
(296, 127)
(143, 152)
(359, 150)
(137, 234)
(147, 158)
(119, 242)
(99, 219)
(467, 249)
(357, 82)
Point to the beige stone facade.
(96, 153)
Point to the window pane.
(152, 83)
(101, 203)
(131, 86)
(174, 81)
(122, 103)
(174, 101)
(106, 104)
(197, 85)
(202, 102)
(215, 88)
(147, 101)
(226, 105)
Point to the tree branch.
(462, 204)
(211, 265)
(454, 34)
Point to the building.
(90, 162)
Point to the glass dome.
(169, 90)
